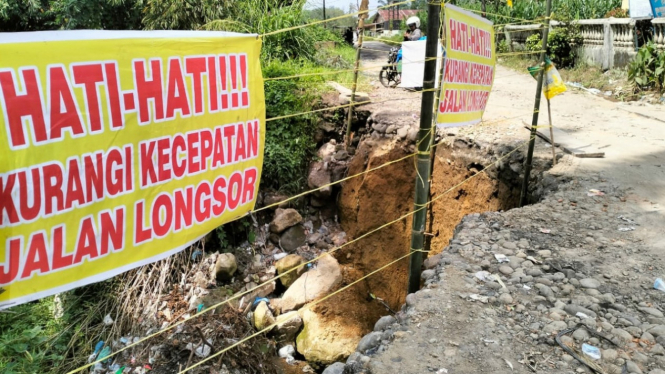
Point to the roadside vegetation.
(56, 334)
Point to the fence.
(607, 42)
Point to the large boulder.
(293, 238)
(284, 218)
(287, 263)
(322, 345)
(263, 316)
(225, 267)
(313, 284)
(288, 326)
(319, 176)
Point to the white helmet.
(413, 20)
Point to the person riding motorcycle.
(413, 32)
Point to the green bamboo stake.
(424, 147)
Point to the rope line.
(518, 53)
(411, 251)
(333, 250)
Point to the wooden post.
(361, 24)
(536, 109)
(424, 147)
(324, 14)
(549, 116)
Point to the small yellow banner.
(120, 148)
(469, 68)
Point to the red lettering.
(60, 260)
(148, 89)
(193, 160)
(162, 203)
(202, 210)
(244, 96)
(223, 75)
(29, 190)
(112, 229)
(8, 213)
(229, 131)
(240, 143)
(213, 95)
(218, 190)
(75, 193)
(218, 152)
(252, 139)
(113, 173)
(249, 188)
(183, 208)
(234, 191)
(163, 162)
(206, 147)
(148, 172)
(86, 244)
(94, 176)
(113, 95)
(179, 145)
(64, 112)
(176, 99)
(53, 188)
(37, 257)
(141, 234)
(233, 71)
(16, 106)
(196, 67)
(90, 76)
(10, 268)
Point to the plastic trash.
(108, 321)
(626, 229)
(591, 351)
(196, 255)
(99, 346)
(279, 256)
(119, 371)
(501, 258)
(582, 315)
(199, 308)
(659, 285)
(594, 192)
(103, 354)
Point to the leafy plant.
(647, 70)
(561, 43)
(502, 47)
(617, 13)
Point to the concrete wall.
(607, 43)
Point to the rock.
(609, 355)
(555, 327)
(657, 331)
(402, 132)
(581, 335)
(272, 198)
(623, 335)
(589, 283)
(384, 322)
(433, 261)
(319, 176)
(326, 151)
(427, 274)
(632, 367)
(288, 326)
(505, 298)
(287, 263)
(313, 284)
(322, 345)
(225, 267)
(648, 338)
(651, 311)
(293, 238)
(336, 368)
(369, 341)
(284, 218)
(263, 316)
(657, 371)
(505, 269)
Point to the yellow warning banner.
(469, 68)
(120, 148)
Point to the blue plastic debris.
(591, 351)
(257, 300)
(99, 347)
(196, 254)
(199, 308)
(104, 353)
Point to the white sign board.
(413, 64)
(640, 9)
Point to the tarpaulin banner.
(120, 148)
(469, 68)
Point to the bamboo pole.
(361, 24)
(549, 116)
(536, 109)
(424, 147)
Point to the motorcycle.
(390, 76)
